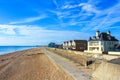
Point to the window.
(95, 43)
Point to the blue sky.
(38, 22)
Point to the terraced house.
(65, 45)
(79, 45)
(102, 42)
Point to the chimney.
(108, 32)
(97, 33)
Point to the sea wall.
(107, 71)
(76, 56)
(95, 55)
(69, 51)
(114, 53)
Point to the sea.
(10, 49)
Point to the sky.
(38, 22)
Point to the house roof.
(76, 41)
(79, 41)
(66, 42)
(103, 37)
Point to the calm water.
(9, 49)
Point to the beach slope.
(30, 64)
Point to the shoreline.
(30, 64)
(17, 50)
(64, 66)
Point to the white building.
(65, 45)
(70, 44)
(102, 43)
(78, 45)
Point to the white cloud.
(85, 7)
(69, 6)
(55, 3)
(34, 35)
(5, 29)
(105, 20)
(88, 7)
(82, 13)
(28, 20)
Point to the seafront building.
(102, 43)
(65, 45)
(52, 44)
(78, 45)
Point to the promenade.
(68, 66)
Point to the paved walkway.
(68, 66)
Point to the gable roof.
(76, 41)
(79, 41)
(103, 37)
